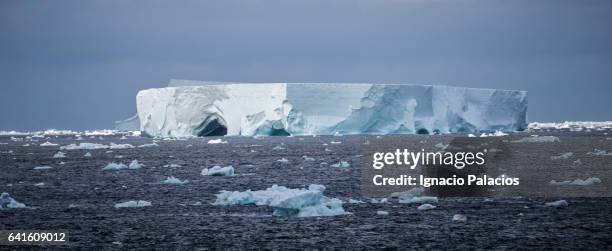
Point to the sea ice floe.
(88, 154)
(353, 201)
(381, 212)
(287, 202)
(459, 218)
(174, 181)
(42, 167)
(306, 158)
(172, 165)
(283, 160)
(342, 164)
(379, 201)
(148, 145)
(120, 146)
(538, 139)
(562, 156)
(418, 199)
(426, 207)
(557, 204)
(115, 166)
(577, 182)
(84, 146)
(217, 141)
(276, 148)
(135, 165)
(7, 202)
(494, 134)
(59, 155)
(133, 203)
(48, 144)
(218, 171)
(599, 152)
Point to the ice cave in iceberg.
(200, 108)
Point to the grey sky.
(79, 64)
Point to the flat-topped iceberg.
(192, 108)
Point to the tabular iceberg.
(193, 108)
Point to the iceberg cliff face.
(304, 109)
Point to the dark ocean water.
(79, 197)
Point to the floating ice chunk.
(380, 201)
(218, 171)
(88, 154)
(133, 203)
(39, 184)
(426, 207)
(217, 141)
(538, 139)
(562, 156)
(577, 162)
(471, 135)
(120, 146)
(135, 165)
(353, 201)
(415, 191)
(59, 155)
(172, 165)
(572, 125)
(335, 142)
(306, 158)
(276, 148)
(577, 182)
(381, 212)
(418, 199)
(84, 146)
(42, 167)
(557, 204)
(441, 145)
(287, 202)
(48, 144)
(342, 164)
(598, 152)
(283, 160)
(148, 145)
(459, 218)
(494, 134)
(7, 202)
(115, 166)
(174, 181)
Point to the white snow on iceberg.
(215, 109)
(287, 202)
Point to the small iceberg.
(342, 164)
(557, 204)
(306, 158)
(425, 207)
(148, 145)
(286, 202)
(59, 155)
(174, 181)
(538, 139)
(133, 203)
(577, 182)
(217, 141)
(7, 202)
(218, 171)
(48, 144)
(562, 156)
(88, 154)
(115, 166)
(459, 218)
(42, 167)
(135, 165)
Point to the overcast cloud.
(79, 64)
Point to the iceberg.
(133, 203)
(195, 108)
(7, 202)
(287, 202)
(218, 171)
